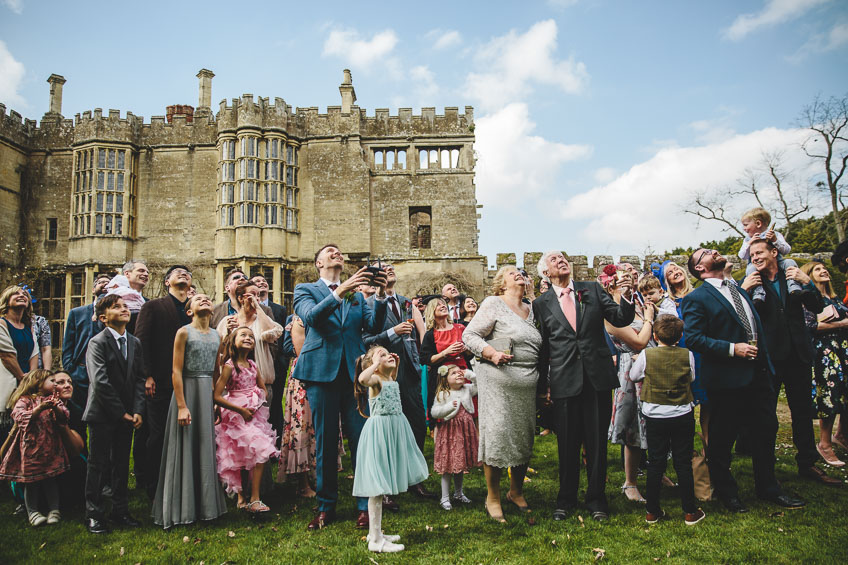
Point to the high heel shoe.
(524, 508)
(496, 517)
(626, 487)
(829, 456)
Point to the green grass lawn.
(816, 534)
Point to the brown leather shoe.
(390, 504)
(362, 520)
(815, 474)
(322, 519)
(419, 491)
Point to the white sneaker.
(385, 546)
(53, 517)
(37, 519)
(388, 537)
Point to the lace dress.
(627, 426)
(506, 394)
(387, 459)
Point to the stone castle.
(255, 185)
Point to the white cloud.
(511, 63)
(512, 163)
(17, 6)
(605, 174)
(712, 131)
(443, 39)
(11, 75)
(774, 12)
(359, 52)
(425, 86)
(823, 42)
(643, 206)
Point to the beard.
(719, 264)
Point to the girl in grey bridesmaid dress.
(188, 476)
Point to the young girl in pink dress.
(456, 439)
(245, 440)
(36, 453)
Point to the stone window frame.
(417, 235)
(438, 155)
(387, 158)
(50, 294)
(227, 183)
(103, 190)
(51, 233)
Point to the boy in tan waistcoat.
(667, 372)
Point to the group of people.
(207, 396)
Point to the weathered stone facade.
(256, 185)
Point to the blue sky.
(596, 119)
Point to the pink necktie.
(566, 301)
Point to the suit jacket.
(79, 329)
(711, 324)
(281, 360)
(786, 333)
(221, 311)
(116, 384)
(568, 356)
(334, 330)
(156, 328)
(406, 349)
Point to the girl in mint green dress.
(387, 459)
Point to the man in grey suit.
(400, 336)
(576, 369)
(115, 402)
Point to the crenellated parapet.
(53, 132)
(94, 127)
(428, 123)
(261, 114)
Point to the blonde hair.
(430, 312)
(687, 284)
(648, 283)
(29, 385)
(442, 386)
(757, 213)
(360, 391)
(807, 268)
(498, 281)
(4, 303)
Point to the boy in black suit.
(115, 402)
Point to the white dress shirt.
(116, 335)
(725, 292)
(651, 410)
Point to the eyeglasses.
(180, 272)
(706, 252)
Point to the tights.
(50, 490)
(457, 479)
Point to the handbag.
(828, 314)
(502, 344)
(701, 473)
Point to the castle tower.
(347, 92)
(56, 82)
(204, 97)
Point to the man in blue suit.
(722, 325)
(335, 317)
(79, 329)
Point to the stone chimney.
(205, 89)
(56, 82)
(347, 92)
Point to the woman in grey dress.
(506, 384)
(188, 476)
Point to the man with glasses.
(227, 308)
(156, 328)
(721, 323)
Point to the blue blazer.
(711, 325)
(79, 329)
(334, 331)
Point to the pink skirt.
(456, 444)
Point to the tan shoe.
(829, 456)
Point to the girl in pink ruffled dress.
(245, 440)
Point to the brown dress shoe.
(362, 520)
(322, 519)
(816, 474)
(390, 504)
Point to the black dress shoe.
(814, 473)
(560, 514)
(96, 526)
(419, 491)
(734, 505)
(600, 516)
(785, 501)
(125, 520)
(390, 504)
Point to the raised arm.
(311, 311)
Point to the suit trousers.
(275, 410)
(752, 407)
(675, 435)
(156, 418)
(79, 400)
(583, 420)
(109, 453)
(795, 377)
(412, 404)
(328, 401)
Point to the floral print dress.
(830, 366)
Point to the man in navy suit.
(722, 325)
(79, 329)
(400, 336)
(335, 317)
